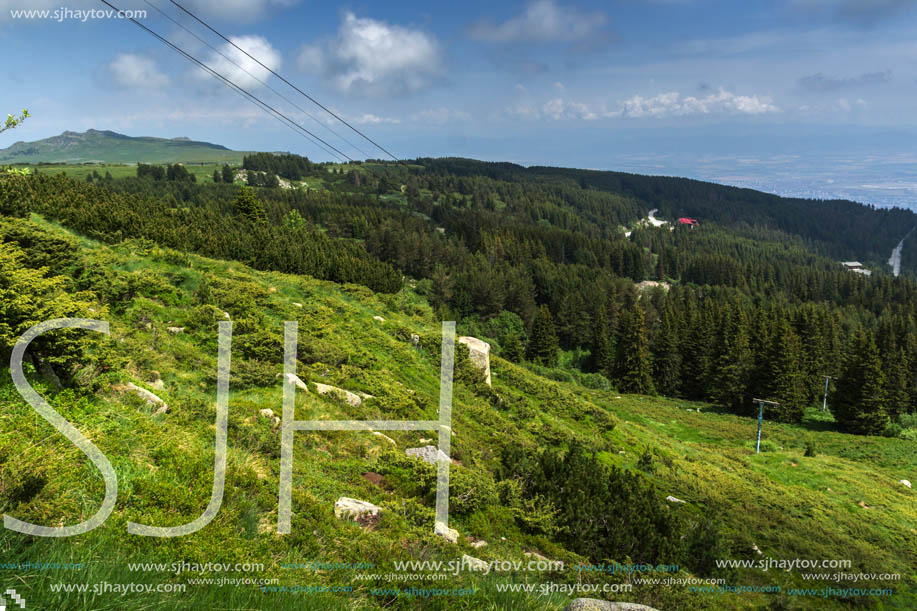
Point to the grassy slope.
(164, 464)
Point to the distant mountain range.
(111, 147)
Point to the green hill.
(616, 437)
(843, 503)
(95, 146)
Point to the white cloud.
(559, 109)
(673, 104)
(373, 58)
(253, 72)
(135, 72)
(542, 21)
(371, 119)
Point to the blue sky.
(697, 87)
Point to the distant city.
(879, 181)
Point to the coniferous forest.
(752, 303)
(628, 355)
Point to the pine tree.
(731, 371)
(666, 356)
(249, 206)
(858, 401)
(543, 339)
(697, 350)
(633, 364)
(228, 176)
(217, 176)
(513, 348)
(786, 376)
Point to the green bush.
(811, 450)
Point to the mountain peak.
(105, 146)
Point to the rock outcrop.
(292, 377)
(269, 414)
(905, 483)
(479, 353)
(346, 508)
(449, 534)
(151, 400)
(349, 397)
(430, 454)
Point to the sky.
(802, 97)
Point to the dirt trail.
(895, 259)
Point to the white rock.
(534, 556)
(758, 551)
(351, 398)
(267, 413)
(175, 330)
(430, 454)
(292, 377)
(385, 437)
(479, 544)
(163, 409)
(479, 353)
(379, 318)
(415, 339)
(298, 305)
(352, 509)
(449, 534)
(475, 564)
(672, 499)
(151, 399)
(905, 483)
(226, 315)
(425, 440)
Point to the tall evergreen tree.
(858, 402)
(786, 376)
(543, 341)
(249, 206)
(633, 362)
(730, 378)
(666, 356)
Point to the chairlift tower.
(824, 403)
(761, 403)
